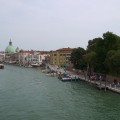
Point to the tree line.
(101, 56)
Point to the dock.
(103, 85)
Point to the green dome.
(10, 48)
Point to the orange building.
(61, 57)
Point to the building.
(11, 53)
(61, 57)
(27, 57)
(2, 57)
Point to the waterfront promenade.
(102, 85)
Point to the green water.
(28, 94)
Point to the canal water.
(28, 94)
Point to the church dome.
(10, 48)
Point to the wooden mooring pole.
(105, 83)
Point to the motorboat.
(35, 64)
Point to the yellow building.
(61, 57)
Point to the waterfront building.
(32, 57)
(61, 57)
(46, 59)
(42, 57)
(2, 56)
(25, 57)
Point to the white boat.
(12, 62)
(67, 78)
(35, 64)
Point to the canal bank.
(102, 85)
(73, 76)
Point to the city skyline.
(49, 25)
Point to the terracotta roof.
(2, 52)
(44, 52)
(33, 51)
(26, 51)
(65, 49)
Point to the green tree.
(101, 46)
(102, 54)
(93, 44)
(111, 41)
(77, 58)
(90, 59)
(112, 62)
(97, 45)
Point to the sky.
(53, 24)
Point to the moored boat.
(35, 65)
(69, 77)
(1, 66)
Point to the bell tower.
(10, 43)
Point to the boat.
(1, 66)
(29, 66)
(12, 62)
(65, 77)
(52, 74)
(35, 64)
(69, 77)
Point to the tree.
(93, 44)
(77, 58)
(102, 47)
(97, 45)
(111, 41)
(102, 55)
(112, 62)
(90, 59)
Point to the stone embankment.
(101, 84)
(106, 85)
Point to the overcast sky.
(53, 24)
